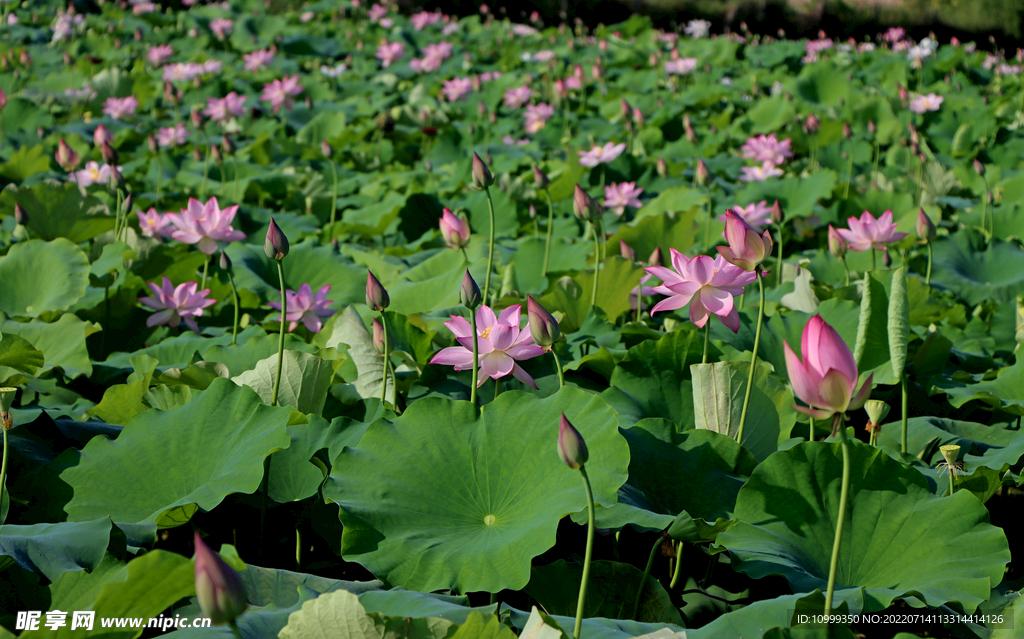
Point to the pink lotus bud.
(638, 117)
(812, 124)
(196, 118)
(979, 168)
(19, 214)
(126, 206)
(571, 447)
(376, 297)
(108, 153)
(904, 96)
(276, 244)
(225, 261)
(925, 226)
(702, 173)
(227, 145)
(655, 258)
(66, 156)
(691, 136)
(482, 177)
(886, 259)
(454, 229)
(219, 589)
(325, 149)
(101, 135)
(778, 216)
(627, 251)
(872, 128)
(585, 207)
(826, 379)
(378, 336)
(470, 292)
(746, 248)
(836, 243)
(847, 131)
(626, 109)
(116, 179)
(215, 154)
(543, 325)
(662, 167)
(541, 178)
(152, 143)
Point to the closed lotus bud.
(979, 168)
(902, 93)
(325, 149)
(66, 156)
(627, 110)
(24, 58)
(541, 178)
(215, 153)
(691, 136)
(378, 336)
(152, 143)
(169, 93)
(225, 261)
(197, 154)
(925, 226)
(702, 173)
(101, 135)
(583, 206)
(228, 145)
(126, 206)
(116, 179)
(67, 59)
(638, 117)
(543, 325)
(571, 447)
(836, 243)
(276, 244)
(886, 259)
(376, 297)
(655, 257)
(454, 229)
(482, 177)
(470, 292)
(847, 131)
(950, 453)
(138, 35)
(627, 251)
(662, 167)
(872, 128)
(812, 124)
(196, 118)
(914, 137)
(219, 589)
(533, 212)
(19, 214)
(778, 216)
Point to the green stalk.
(837, 423)
(707, 229)
(707, 341)
(849, 174)
(234, 299)
(753, 359)
(597, 267)
(903, 384)
(206, 170)
(298, 549)
(334, 200)
(847, 267)
(810, 433)
(497, 388)
(160, 175)
(778, 269)
(586, 557)
(643, 580)
(950, 469)
(639, 299)
(874, 170)
(233, 625)
(280, 340)
(490, 245)
(679, 562)
(547, 241)
(928, 273)
(234, 188)
(206, 264)
(387, 361)
(476, 357)
(558, 368)
(874, 259)
(3, 472)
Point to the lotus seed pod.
(950, 452)
(7, 398)
(877, 410)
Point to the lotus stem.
(558, 368)
(233, 625)
(707, 229)
(679, 562)
(387, 362)
(587, 556)
(778, 267)
(874, 259)
(849, 176)
(707, 341)
(490, 247)
(3, 468)
(160, 175)
(235, 302)
(476, 357)
(206, 265)
(950, 469)
(903, 410)
(334, 201)
(847, 267)
(928, 273)
(597, 267)
(497, 388)
(234, 187)
(280, 340)
(874, 168)
(643, 580)
(810, 432)
(547, 241)
(753, 359)
(206, 170)
(837, 424)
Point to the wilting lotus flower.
(709, 283)
(154, 224)
(454, 229)
(307, 308)
(746, 248)
(826, 379)
(868, 233)
(176, 304)
(501, 341)
(219, 589)
(205, 224)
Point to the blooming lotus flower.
(376, 13)
(258, 59)
(172, 135)
(306, 307)
(517, 96)
(680, 66)
(826, 379)
(219, 589)
(119, 108)
(93, 173)
(281, 92)
(601, 154)
(220, 109)
(869, 233)
(205, 224)
(335, 71)
(221, 27)
(697, 28)
(618, 196)
(760, 173)
(388, 52)
(454, 229)
(154, 224)
(709, 283)
(766, 149)
(501, 342)
(925, 103)
(456, 88)
(757, 215)
(159, 54)
(746, 248)
(176, 304)
(537, 116)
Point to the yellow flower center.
(487, 332)
(151, 222)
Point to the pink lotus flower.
(154, 224)
(746, 248)
(159, 54)
(280, 92)
(307, 308)
(869, 233)
(205, 224)
(456, 88)
(766, 149)
(826, 379)
(172, 135)
(376, 13)
(93, 173)
(759, 173)
(181, 72)
(501, 344)
(454, 229)
(680, 66)
(925, 103)
(601, 154)
(176, 304)
(119, 108)
(517, 96)
(537, 116)
(221, 27)
(258, 59)
(423, 19)
(433, 56)
(388, 52)
(618, 196)
(757, 215)
(709, 283)
(221, 109)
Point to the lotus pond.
(342, 322)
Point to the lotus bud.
(533, 212)
(627, 251)
(543, 325)
(691, 136)
(153, 146)
(847, 131)
(778, 216)
(219, 589)
(877, 410)
(470, 293)
(101, 135)
(925, 226)
(585, 207)
(19, 214)
(626, 109)
(912, 130)
(138, 34)
(67, 59)
(571, 447)
(702, 173)
(836, 243)
(950, 452)
(979, 168)
(746, 248)
(116, 179)
(638, 117)
(378, 336)
(215, 154)
(376, 297)
(225, 261)
(24, 58)
(196, 118)
(454, 229)
(325, 149)
(541, 178)
(66, 156)
(227, 145)
(197, 154)
(655, 258)
(126, 206)
(902, 93)
(812, 124)
(276, 244)
(482, 177)
(872, 128)
(662, 167)
(886, 259)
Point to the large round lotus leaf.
(53, 549)
(42, 276)
(964, 264)
(164, 465)
(898, 538)
(449, 497)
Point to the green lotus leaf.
(962, 263)
(304, 381)
(58, 211)
(347, 328)
(213, 446)
(1005, 392)
(899, 539)
(62, 342)
(53, 549)
(17, 355)
(339, 615)
(42, 276)
(797, 195)
(446, 497)
(478, 626)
